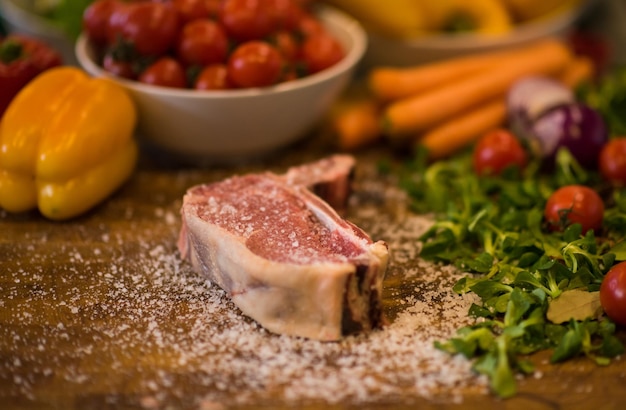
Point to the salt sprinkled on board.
(173, 335)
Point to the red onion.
(575, 126)
(531, 97)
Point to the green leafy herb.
(493, 229)
(65, 14)
(608, 96)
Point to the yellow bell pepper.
(400, 19)
(525, 10)
(408, 19)
(66, 144)
(476, 16)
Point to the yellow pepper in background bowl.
(66, 144)
(410, 19)
(486, 17)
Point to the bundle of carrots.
(447, 105)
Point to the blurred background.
(597, 24)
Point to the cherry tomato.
(151, 27)
(213, 77)
(612, 161)
(613, 293)
(118, 67)
(290, 74)
(202, 42)
(574, 204)
(308, 25)
(255, 64)
(320, 51)
(286, 42)
(165, 72)
(117, 19)
(190, 10)
(285, 14)
(246, 19)
(95, 20)
(497, 150)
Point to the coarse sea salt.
(161, 325)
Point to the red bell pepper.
(21, 59)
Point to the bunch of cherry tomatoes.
(499, 149)
(210, 44)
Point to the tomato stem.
(10, 51)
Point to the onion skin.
(577, 127)
(531, 97)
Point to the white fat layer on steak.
(285, 256)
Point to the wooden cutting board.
(100, 312)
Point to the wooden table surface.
(100, 313)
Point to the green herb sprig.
(64, 14)
(608, 96)
(493, 229)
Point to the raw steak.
(285, 256)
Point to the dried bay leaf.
(574, 304)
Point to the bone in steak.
(328, 178)
(284, 255)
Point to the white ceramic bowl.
(221, 126)
(385, 51)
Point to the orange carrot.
(393, 83)
(578, 71)
(415, 114)
(461, 131)
(357, 125)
